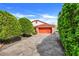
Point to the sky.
(46, 12)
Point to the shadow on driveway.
(51, 46)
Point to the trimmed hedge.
(9, 26)
(68, 25)
(27, 27)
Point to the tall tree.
(26, 25)
(9, 26)
(68, 21)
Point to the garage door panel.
(45, 30)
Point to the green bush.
(9, 26)
(26, 25)
(68, 25)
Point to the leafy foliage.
(68, 25)
(26, 25)
(9, 26)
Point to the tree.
(26, 25)
(68, 25)
(9, 26)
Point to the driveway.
(40, 44)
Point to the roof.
(44, 24)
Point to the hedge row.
(68, 25)
(10, 26)
(26, 26)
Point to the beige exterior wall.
(53, 30)
(37, 30)
(35, 24)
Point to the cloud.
(8, 7)
(48, 16)
(44, 17)
(50, 21)
(22, 15)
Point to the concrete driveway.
(32, 46)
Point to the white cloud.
(22, 15)
(48, 16)
(8, 7)
(44, 17)
(50, 21)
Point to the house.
(42, 27)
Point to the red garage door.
(45, 30)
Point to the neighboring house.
(42, 27)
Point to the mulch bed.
(1, 45)
(4, 45)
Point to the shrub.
(68, 25)
(9, 26)
(27, 27)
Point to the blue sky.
(46, 12)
